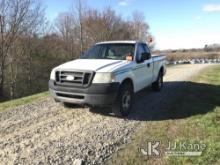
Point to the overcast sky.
(175, 24)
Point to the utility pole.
(81, 26)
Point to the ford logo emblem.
(70, 78)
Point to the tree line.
(30, 45)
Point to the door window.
(146, 48)
(140, 50)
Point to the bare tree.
(70, 26)
(66, 27)
(107, 25)
(15, 60)
(80, 25)
(37, 24)
(140, 28)
(16, 17)
(24, 45)
(78, 14)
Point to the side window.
(140, 50)
(146, 48)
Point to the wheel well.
(128, 81)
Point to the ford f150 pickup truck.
(108, 74)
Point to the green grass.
(22, 101)
(194, 117)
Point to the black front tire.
(158, 85)
(124, 102)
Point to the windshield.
(109, 51)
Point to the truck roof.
(119, 42)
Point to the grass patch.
(22, 101)
(194, 118)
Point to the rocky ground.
(194, 61)
(45, 132)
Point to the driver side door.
(141, 70)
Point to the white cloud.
(123, 2)
(212, 8)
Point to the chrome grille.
(74, 78)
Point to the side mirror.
(145, 56)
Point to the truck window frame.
(147, 49)
(137, 51)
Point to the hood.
(92, 65)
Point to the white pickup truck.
(108, 74)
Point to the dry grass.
(172, 56)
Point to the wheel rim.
(126, 101)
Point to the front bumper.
(95, 94)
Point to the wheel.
(124, 101)
(158, 85)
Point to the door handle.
(148, 65)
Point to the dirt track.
(45, 132)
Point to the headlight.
(104, 78)
(52, 75)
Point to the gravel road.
(44, 132)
